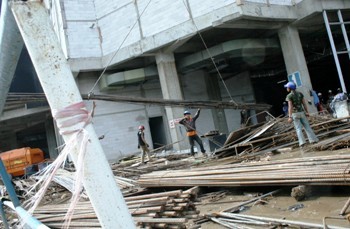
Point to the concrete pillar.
(51, 139)
(294, 59)
(213, 90)
(170, 84)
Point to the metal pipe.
(334, 51)
(27, 218)
(342, 25)
(279, 221)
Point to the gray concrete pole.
(11, 44)
(294, 59)
(169, 81)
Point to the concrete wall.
(104, 24)
(119, 121)
(194, 88)
(10, 143)
(241, 90)
(79, 28)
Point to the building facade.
(227, 50)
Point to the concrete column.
(213, 90)
(294, 59)
(51, 139)
(170, 84)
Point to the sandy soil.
(323, 201)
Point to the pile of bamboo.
(232, 220)
(278, 133)
(136, 169)
(170, 209)
(322, 170)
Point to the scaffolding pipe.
(334, 51)
(345, 35)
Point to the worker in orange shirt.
(189, 123)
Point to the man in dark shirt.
(190, 124)
(297, 112)
(143, 144)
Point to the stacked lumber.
(170, 209)
(322, 170)
(134, 170)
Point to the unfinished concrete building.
(226, 50)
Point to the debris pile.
(278, 133)
(242, 162)
(170, 209)
(326, 170)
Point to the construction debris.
(323, 170)
(248, 159)
(170, 209)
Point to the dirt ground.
(323, 201)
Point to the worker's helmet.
(141, 127)
(330, 91)
(187, 112)
(338, 90)
(319, 94)
(290, 85)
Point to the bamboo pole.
(278, 221)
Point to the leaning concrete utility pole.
(61, 91)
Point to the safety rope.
(70, 120)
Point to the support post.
(171, 89)
(61, 91)
(294, 59)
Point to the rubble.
(265, 155)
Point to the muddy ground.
(322, 201)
